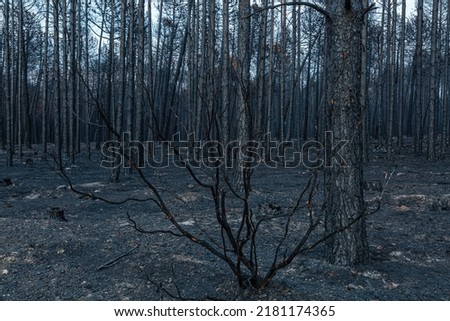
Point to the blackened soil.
(58, 245)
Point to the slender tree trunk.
(122, 82)
(98, 118)
(261, 72)
(392, 78)
(418, 142)
(381, 87)
(139, 125)
(282, 54)
(57, 83)
(299, 71)
(8, 81)
(20, 88)
(243, 71)
(110, 89)
(308, 95)
(192, 74)
(293, 73)
(364, 81)
(24, 97)
(433, 85)
(87, 66)
(446, 107)
(131, 101)
(269, 112)
(73, 80)
(401, 77)
(79, 59)
(156, 82)
(211, 43)
(45, 94)
(64, 84)
(225, 72)
(344, 179)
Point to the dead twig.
(116, 260)
(294, 3)
(141, 230)
(161, 289)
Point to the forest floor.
(44, 257)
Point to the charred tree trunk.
(45, 97)
(401, 76)
(433, 85)
(243, 69)
(57, 83)
(73, 81)
(344, 178)
(8, 70)
(446, 111)
(418, 142)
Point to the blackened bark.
(344, 181)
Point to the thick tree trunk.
(344, 179)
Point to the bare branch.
(93, 196)
(141, 230)
(370, 8)
(116, 260)
(295, 3)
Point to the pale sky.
(410, 6)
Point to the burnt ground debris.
(45, 257)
